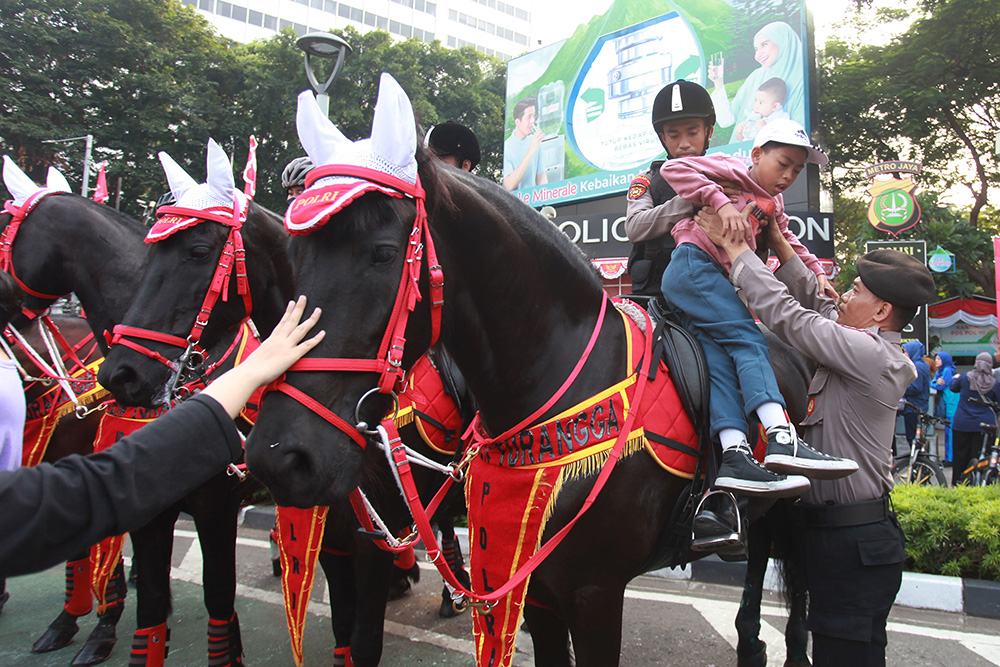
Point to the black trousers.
(853, 575)
(965, 445)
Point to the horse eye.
(200, 251)
(383, 254)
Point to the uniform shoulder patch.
(638, 186)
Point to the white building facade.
(495, 27)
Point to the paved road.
(667, 622)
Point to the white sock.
(731, 437)
(771, 415)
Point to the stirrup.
(730, 545)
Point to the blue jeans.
(705, 303)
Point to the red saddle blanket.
(513, 485)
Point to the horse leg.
(452, 551)
(372, 572)
(796, 634)
(549, 636)
(153, 546)
(596, 624)
(339, 570)
(215, 510)
(750, 650)
(103, 638)
(78, 603)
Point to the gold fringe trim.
(592, 464)
(404, 417)
(87, 399)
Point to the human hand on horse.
(280, 350)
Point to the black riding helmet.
(451, 138)
(682, 99)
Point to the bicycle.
(984, 469)
(921, 465)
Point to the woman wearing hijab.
(778, 49)
(947, 400)
(967, 439)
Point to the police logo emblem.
(638, 186)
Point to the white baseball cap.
(786, 131)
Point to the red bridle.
(17, 216)
(232, 261)
(388, 360)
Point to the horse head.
(358, 243)
(56, 242)
(213, 259)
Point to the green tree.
(149, 75)
(930, 94)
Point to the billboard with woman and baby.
(578, 111)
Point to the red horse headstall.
(18, 214)
(313, 209)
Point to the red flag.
(101, 191)
(250, 172)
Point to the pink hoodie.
(693, 178)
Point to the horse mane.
(447, 189)
(117, 217)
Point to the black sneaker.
(741, 473)
(712, 531)
(789, 455)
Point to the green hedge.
(951, 531)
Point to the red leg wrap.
(149, 646)
(225, 647)
(79, 601)
(342, 657)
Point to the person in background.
(454, 144)
(520, 150)
(53, 511)
(293, 176)
(12, 403)
(947, 400)
(919, 391)
(967, 438)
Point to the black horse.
(70, 244)
(520, 303)
(179, 272)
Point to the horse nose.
(123, 381)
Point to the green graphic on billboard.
(578, 111)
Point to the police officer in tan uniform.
(853, 542)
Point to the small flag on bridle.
(101, 191)
(250, 172)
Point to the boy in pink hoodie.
(698, 292)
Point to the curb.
(973, 597)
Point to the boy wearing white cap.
(697, 290)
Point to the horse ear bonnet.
(178, 179)
(391, 150)
(54, 180)
(18, 183)
(220, 173)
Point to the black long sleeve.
(52, 512)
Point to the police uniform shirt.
(644, 220)
(861, 377)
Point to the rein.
(232, 262)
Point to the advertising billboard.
(578, 111)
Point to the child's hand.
(826, 287)
(738, 132)
(735, 225)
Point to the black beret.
(896, 277)
(451, 138)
